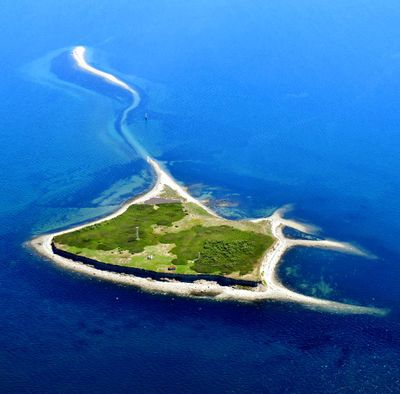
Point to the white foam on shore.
(272, 289)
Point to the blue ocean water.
(262, 104)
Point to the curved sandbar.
(272, 289)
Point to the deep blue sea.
(262, 103)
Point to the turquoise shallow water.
(263, 105)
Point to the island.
(166, 236)
(168, 242)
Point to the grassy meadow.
(173, 237)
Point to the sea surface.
(261, 104)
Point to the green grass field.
(175, 237)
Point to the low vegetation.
(178, 237)
(120, 232)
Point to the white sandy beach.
(272, 289)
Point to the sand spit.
(78, 53)
(272, 289)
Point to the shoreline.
(273, 289)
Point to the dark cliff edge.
(141, 273)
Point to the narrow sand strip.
(273, 288)
(78, 54)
